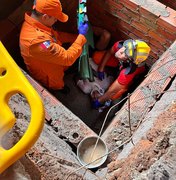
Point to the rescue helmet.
(136, 50)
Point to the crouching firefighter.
(128, 57)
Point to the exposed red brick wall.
(7, 7)
(8, 33)
(127, 19)
(11, 25)
(142, 101)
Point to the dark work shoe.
(65, 90)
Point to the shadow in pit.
(80, 103)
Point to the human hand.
(95, 94)
(96, 104)
(101, 75)
(83, 28)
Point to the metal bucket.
(86, 152)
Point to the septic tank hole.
(75, 135)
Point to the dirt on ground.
(147, 151)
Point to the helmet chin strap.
(134, 45)
(128, 65)
(131, 68)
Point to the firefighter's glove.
(96, 104)
(83, 28)
(101, 75)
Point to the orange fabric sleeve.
(56, 54)
(115, 91)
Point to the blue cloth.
(101, 75)
(96, 104)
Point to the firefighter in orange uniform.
(41, 46)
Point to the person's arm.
(105, 59)
(56, 54)
(114, 92)
(104, 37)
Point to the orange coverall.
(43, 54)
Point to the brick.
(154, 55)
(168, 44)
(126, 25)
(146, 38)
(164, 24)
(34, 83)
(157, 37)
(123, 36)
(148, 14)
(157, 44)
(17, 17)
(139, 34)
(149, 24)
(130, 4)
(114, 3)
(151, 60)
(169, 36)
(122, 16)
(112, 10)
(171, 68)
(139, 100)
(9, 37)
(156, 50)
(111, 21)
(6, 28)
(124, 30)
(95, 10)
(164, 57)
(139, 26)
(140, 103)
(133, 36)
(102, 18)
(130, 13)
(169, 22)
(61, 119)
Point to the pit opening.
(123, 20)
(112, 16)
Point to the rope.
(98, 140)
(131, 135)
(128, 140)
